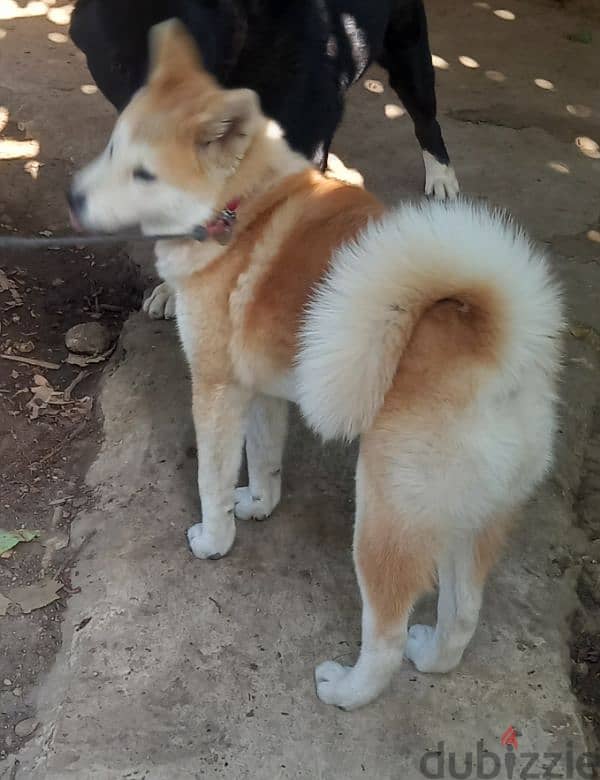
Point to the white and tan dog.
(432, 332)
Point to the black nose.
(76, 201)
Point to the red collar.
(221, 227)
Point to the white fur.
(116, 199)
(440, 649)
(440, 179)
(265, 437)
(161, 303)
(361, 317)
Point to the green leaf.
(10, 539)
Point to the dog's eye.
(142, 174)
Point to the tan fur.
(489, 544)
(395, 563)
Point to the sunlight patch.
(9, 9)
(588, 146)
(468, 62)
(439, 62)
(374, 85)
(559, 167)
(393, 111)
(503, 13)
(16, 150)
(61, 15)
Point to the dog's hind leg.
(407, 58)
(265, 439)
(394, 565)
(462, 569)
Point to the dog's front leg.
(219, 411)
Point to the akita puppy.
(430, 331)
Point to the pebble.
(17, 691)
(26, 727)
(88, 338)
(6, 681)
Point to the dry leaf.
(46, 400)
(9, 285)
(36, 596)
(85, 360)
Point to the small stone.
(17, 691)
(6, 681)
(25, 728)
(88, 338)
(58, 282)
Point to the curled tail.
(362, 317)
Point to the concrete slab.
(176, 668)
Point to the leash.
(219, 228)
(199, 233)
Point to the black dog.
(298, 55)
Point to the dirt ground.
(539, 78)
(50, 121)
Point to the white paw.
(329, 677)
(440, 179)
(346, 687)
(160, 304)
(247, 506)
(211, 544)
(423, 650)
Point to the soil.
(585, 645)
(43, 461)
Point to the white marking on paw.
(440, 179)
(249, 507)
(423, 650)
(212, 543)
(160, 304)
(329, 677)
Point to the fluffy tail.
(362, 316)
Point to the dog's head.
(173, 149)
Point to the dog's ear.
(226, 129)
(174, 54)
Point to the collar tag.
(221, 228)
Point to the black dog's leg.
(407, 58)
